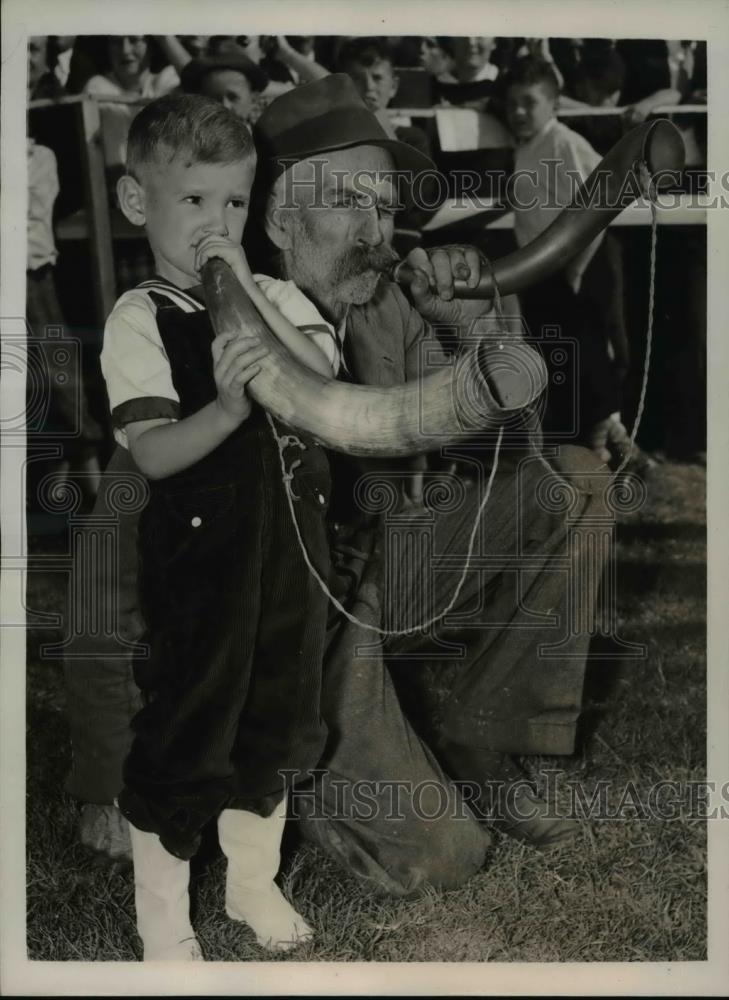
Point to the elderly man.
(384, 803)
(332, 232)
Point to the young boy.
(235, 621)
(369, 62)
(234, 80)
(551, 160)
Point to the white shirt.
(42, 193)
(559, 160)
(135, 364)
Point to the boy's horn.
(615, 183)
(481, 389)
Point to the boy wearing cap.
(230, 78)
(235, 623)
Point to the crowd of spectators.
(246, 72)
(503, 79)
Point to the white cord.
(650, 193)
(281, 443)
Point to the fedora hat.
(324, 116)
(194, 72)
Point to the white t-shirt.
(559, 159)
(116, 118)
(135, 364)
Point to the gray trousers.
(514, 646)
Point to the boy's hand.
(236, 361)
(232, 253)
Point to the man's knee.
(446, 854)
(401, 854)
(583, 469)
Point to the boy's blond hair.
(186, 125)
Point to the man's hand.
(232, 253)
(432, 289)
(236, 361)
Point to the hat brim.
(335, 129)
(407, 159)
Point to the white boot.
(161, 883)
(252, 845)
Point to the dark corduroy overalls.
(235, 621)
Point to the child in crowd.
(234, 80)
(470, 82)
(436, 57)
(235, 621)
(369, 62)
(550, 162)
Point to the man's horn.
(613, 185)
(486, 383)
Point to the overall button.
(196, 522)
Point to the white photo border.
(707, 19)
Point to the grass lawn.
(629, 890)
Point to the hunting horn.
(613, 185)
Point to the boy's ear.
(276, 228)
(131, 199)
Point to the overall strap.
(183, 324)
(177, 296)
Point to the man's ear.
(611, 101)
(276, 228)
(395, 86)
(131, 199)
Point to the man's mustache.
(358, 260)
